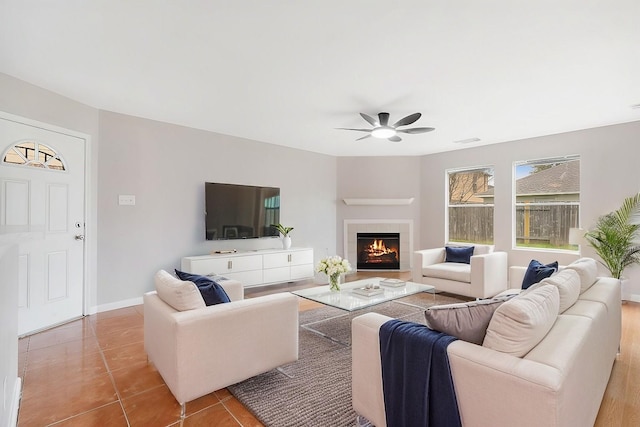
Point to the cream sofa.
(560, 382)
(206, 349)
(485, 277)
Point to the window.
(34, 154)
(272, 212)
(470, 205)
(547, 199)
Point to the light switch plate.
(126, 199)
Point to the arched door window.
(34, 154)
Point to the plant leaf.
(615, 235)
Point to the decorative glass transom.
(34, 154)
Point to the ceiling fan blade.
(359, 130)
(384, 119)
(411, 118)
(395, 138)
(364, 137)
(371, 120)
(415, 130)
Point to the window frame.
(35, 163)
(514, 203)
(469, 169)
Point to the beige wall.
(608, 173)
(31, 102)
(165, 166)
(378, 178)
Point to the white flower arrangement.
(333, 265)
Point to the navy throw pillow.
(459, 254)
(536, 271)
(211, 291)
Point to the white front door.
(42, 195)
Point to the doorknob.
(79, 237)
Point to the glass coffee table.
(350, 300)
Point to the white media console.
(255, 268)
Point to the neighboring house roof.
(488, 193)
(560, 179)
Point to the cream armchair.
(484, 277)
(206, 349)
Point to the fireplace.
(378, 251)
(404, 227)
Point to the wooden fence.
(545, 223)
(471, 224)
(535, 224)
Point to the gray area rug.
(319, 394)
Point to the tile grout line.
(113, 381)
(78, 414)
(231, 413)
(109, 371)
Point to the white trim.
(90, 278)
(116, 305)
(634, 297)
(378, 202)
(15, 403)
(547, 160)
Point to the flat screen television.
(235, 211)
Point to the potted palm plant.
(286, 240)
(615, 235)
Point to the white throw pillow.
(519, 324)
(568, 284)
(483, 249)
(178, 294)
(587, 269)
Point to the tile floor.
(94, 372)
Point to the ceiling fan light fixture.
(383, 132)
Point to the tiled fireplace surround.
(403, 226)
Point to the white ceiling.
(290, 72)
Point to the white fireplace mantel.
(377, 202)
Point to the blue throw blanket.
(416, 378)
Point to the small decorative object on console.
(393, 283)
(333, 267)
(286, 240)
(369, 290)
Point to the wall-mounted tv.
(240, 211)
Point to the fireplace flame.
(378, 248)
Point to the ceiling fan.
(382, 128)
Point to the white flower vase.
(286, 242)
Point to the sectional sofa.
(559, 381)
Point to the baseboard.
(116, 305)
(634, 298)
(15, 403)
